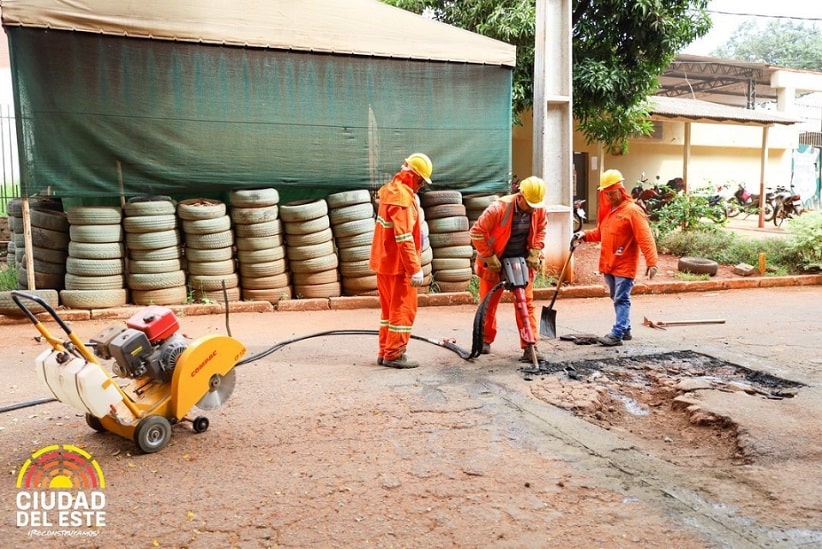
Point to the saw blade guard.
(205, 374)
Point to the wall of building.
(720, 154)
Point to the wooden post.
(30, 284)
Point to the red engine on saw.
(147, 345)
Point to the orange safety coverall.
(490, 235)
(395, 256)
(624, 232)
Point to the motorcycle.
(657, 196)
(746, 202)
(788, 204)
(579, 214)
(719, 208)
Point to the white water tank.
(82, 385)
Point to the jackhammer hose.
(26, 404)
(479, 321)
(276, 347)
(451, 346)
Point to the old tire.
(697, 265)
(10, 308)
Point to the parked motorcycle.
(579, 214)
(719, 207)
(657, 196)
(787, 204)
(746, 202)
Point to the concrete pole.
(763, 175)
(686, 158)
(553, 124)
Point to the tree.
(784, 43)
(620, 47)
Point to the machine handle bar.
(16, 295)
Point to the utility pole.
(553, 124)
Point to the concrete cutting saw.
(157, 375)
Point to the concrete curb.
(425, 300)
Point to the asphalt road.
(319, 446)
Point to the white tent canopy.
(356, 27)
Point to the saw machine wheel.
(152, 434)
(94, 423)
(200, 424)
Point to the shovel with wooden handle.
(662, 324)
(548, 318)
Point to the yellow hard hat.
(533, 191)
(610, 177)
(421, 165)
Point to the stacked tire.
(209, 250)
(352, 223)
(155, 266)
(49, 241)
(450, 241)
(426, 253)
(476, 204)
(95, 263)
(260, 248)
(310, 249)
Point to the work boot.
(486, 349)
(526, 356)
(610, 340)
(627, 336)
(379, 361)
(401, 362)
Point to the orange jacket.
(623, 232)
(492, 230)
(395, 248)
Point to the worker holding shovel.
(395, 257)
(513, 226)
(623, 229)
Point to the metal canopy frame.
(723, 81)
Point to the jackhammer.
(515, 280)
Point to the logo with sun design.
(60, 493)
(59, 467)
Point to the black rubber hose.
(26, 404)
(479, 321)
(276, 347)
(451, 346)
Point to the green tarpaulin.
(95, 112)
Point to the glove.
(416, 279)
(650, 272)
(578, 238)
(533, 259)
(493, 263)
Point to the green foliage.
(692, 276)
(619, 49)
(805, 243)
(8, 279)
(686, 212)
(783, 255)
(473, 288)
(787, 43)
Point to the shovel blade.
(548, 323)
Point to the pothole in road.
(653, 398)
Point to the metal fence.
(10, 184)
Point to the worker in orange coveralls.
(395, 257)
(513, 226)
(623, 229)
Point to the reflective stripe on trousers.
(489, 330)
(398, 309)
